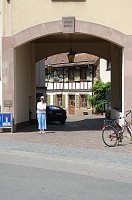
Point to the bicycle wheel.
(129, 130)
(110, 136)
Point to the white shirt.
(41, 107)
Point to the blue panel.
(0, 120)
(5, 120)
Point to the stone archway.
(10, 44)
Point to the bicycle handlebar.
(118, 117)
(128, 112)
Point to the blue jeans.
(41, 121)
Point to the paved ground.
(79, 132)
(75, 148)
(79, 138)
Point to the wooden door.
(71, 104)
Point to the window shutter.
(48, 99)
(51, 77)
(88, 75)
(88, 104)
(54, 99)
(77, 75)
(77, 101)
(63, 101)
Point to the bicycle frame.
(112, 131)
(128, 127)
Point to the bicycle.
(112, 133)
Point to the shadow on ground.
(72, 124)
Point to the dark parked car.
(56, 113)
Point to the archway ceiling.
(64, 38)
(81, 43)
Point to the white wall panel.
(81, 85)
(50, 86)
(89, 85)
(77, 85)
(66, 85)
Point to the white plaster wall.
(105, 75)
(0, 54)
(89, 85)
(51, 99)
(29, 13)
(66, 101)
(7, 17)
(23, 82)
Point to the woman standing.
(41, 114)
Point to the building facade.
(68, 84)
(32, 31)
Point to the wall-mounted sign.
(68, 24)
(6, 121)
(7, 103)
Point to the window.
(71, 75)
(108, 66)
(59, 99)
(38, 95)
(54, 108)
(57, 74)
(83, 74)
(83, 101)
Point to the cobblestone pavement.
(80, 137)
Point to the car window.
(54, 108)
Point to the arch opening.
(27, 52)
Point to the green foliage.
(99, 95)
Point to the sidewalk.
(80, 139)
(78, 132)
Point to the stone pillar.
(8, 80)
(116, 78)
(33, 84)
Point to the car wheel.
(62, 121)
(47, 122)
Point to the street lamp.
(71, 56)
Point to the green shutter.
(88, 75)
(77, 75)
(77, 101)
(88, 104)
(51, 77)
(54, 99)
(63, 101)
(48, 99)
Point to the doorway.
(71, 104)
